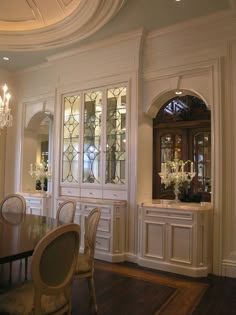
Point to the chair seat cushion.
(19, 301)
(83, 265)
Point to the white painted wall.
(201, 60)
(199, 57)
(5, 78)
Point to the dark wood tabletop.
(20, 235)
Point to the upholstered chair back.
(66, 212)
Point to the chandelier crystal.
(5, 111)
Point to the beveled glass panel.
(70, 171)
(116, 136)
(202, 159)
(171, 147)
(92, 137)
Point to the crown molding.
(87, 18)
(203, 21)
(136, 34)
(100, 44)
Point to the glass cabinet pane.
(92, 137)
(116, 136)
(71, 139)
(202, 161)
(171, 147)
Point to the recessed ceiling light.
(5, 58)
(177, 0)
(178, 92)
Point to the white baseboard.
(229, 268)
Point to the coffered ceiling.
(32, 30)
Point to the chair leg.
(26, 267)
(92, 295)
(10, 272)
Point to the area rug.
(123, 290)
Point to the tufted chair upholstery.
(49, 292)
(85, 261)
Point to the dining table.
(20, 234)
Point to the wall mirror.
(37, 152)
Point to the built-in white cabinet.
(175, 237)
(38, 204)
(110, 240)
(94, 143)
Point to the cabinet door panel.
(181, 243)
(154, 240)
(116, 136)
(70, 148)
(92, 137)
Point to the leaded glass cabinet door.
(71, 136)
(202, 161)
(92, 126)
(116, 112)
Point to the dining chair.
(53, 265)
(13, 208)
(12, 211)
(66, 212)
(85, 261)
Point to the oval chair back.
(66, 212)
(53, 266)
(13, 208)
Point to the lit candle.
(31, 167)
(8, 96)
(191, 167)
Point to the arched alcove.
(37, 146)
(182, 131)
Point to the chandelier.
(5, 111)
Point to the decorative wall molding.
(218, 19)
(132, 39)
(229, 268)
(164, 82)
(115, 40)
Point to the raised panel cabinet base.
(174, 268)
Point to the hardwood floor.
(220, 297)
(119, 295)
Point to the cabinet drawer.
(34, 201)
(102, 243)
(115, 194)
(36, 211)
(70, 191)
(104, 225)
(93, 193)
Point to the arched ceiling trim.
(163, 97)
(36, 29)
